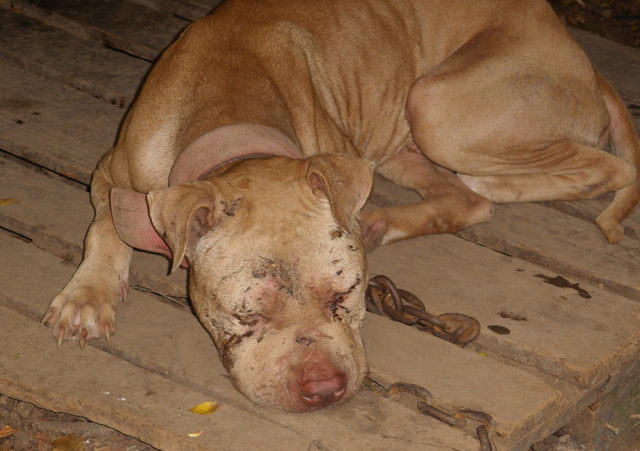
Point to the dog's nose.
(323, 392)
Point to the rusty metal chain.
(384, 298)
(458, 420)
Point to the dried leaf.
(4, 202)
(195, 434)
(7, 431)
(71, 442)
(206, 408)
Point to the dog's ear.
(345, 181)
(182, 214)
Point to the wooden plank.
(67, 59)
(612, 422)
(121, 395)
(56, 216)
(579, 333)
(588, 210)
(54, 126)
(36, 211)
(189, 9)
(459, 379)
(126, 26)
(169, 342)
(561, 243)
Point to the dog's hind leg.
(86, 307)
(626, 145)
(447, 206)
(518, 125)
(563, 171)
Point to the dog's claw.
(107, 335)
(50, 318)
(61, 332)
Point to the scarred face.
(278, 275)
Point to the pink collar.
(211, 151)
(227, 144)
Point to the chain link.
(458, 420)
(384, 298)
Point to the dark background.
(618, 20)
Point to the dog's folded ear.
(345, 181)
(182, 214)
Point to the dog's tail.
(626, 145)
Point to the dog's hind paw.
(611, 228)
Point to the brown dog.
(250, 149)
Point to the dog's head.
(277, 273)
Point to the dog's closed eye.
(249, 320)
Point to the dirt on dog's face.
(279, 282)
(286, 324)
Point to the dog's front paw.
(83, 313)
(374, 228)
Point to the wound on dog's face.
(282, 294)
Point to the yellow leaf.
(195, 434)
(71, 442)
(4, 202)
(206, 408)
(7, 431)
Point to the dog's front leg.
(447, 205)
(86, 308)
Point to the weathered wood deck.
(568, 349)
